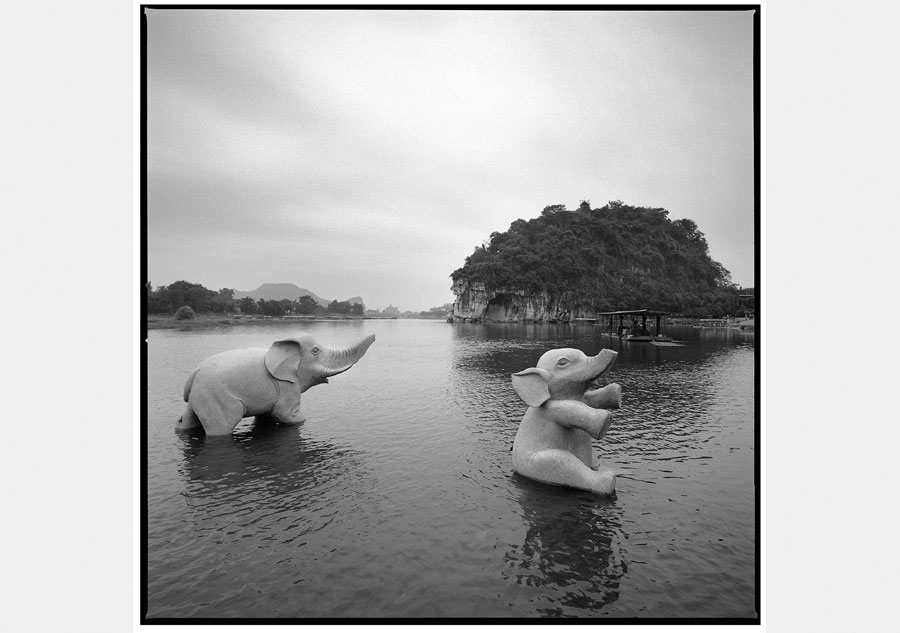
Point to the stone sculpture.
(263, 382)
(566, 408)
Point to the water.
(396, 498)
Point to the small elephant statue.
(266, 382)
(566, 408)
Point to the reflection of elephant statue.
(264, 382)
(292, 465)
(567, 407)
(571, 554)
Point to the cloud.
(400, 140)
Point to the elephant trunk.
(610, 396)
(341, 360)
(599, 364)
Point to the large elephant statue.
(261, 382)
(566, 408)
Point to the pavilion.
(636, 313)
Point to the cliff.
(478, 303)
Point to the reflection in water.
(251, 502)
(672, 410)
(569, 563)
(571, 551)
(399, 499)
(273, 460)
(666, 391)
(677, 408)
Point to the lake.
(396, 498)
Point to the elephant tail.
(188, 384)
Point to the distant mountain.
(277, 292)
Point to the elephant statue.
(264, 382)
(566, 408)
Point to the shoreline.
(205, 321)
(202, 321)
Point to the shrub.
(184, 313)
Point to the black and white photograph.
(450, 314)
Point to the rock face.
(477, 303)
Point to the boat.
(727, 322)
(636, 333)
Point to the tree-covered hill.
(612, 258)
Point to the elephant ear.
(531, 386)
(283, 359)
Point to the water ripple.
(397, 498)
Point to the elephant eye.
(315, 350)
(562, 362)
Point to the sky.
(367, 153)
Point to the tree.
(184, 313)
(180, 293)
(223, 301)
(156, 300)
(248, 306)
(553, 208)
(287, 306)
(271, 308)
(307, 305)
(193, 295)
(339, 307)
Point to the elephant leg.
(188, 420)
(287, 406)
(559, 467)
(220, 417)
(289, 417)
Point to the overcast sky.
(368, 152)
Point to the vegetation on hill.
(167, 299)
(393, 312)
(277, 292)
(616, 257)
(193, 299)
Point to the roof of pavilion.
(633, 313)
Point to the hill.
(277, 292)
(568, 264)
